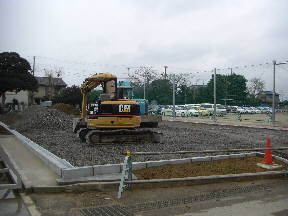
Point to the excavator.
(109, 119)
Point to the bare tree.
(181, 79)
(143, 74)
(255, 86)
(51, 74)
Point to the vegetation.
(15, 74)
(69, 95)
(231, 89)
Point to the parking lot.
(281, 119)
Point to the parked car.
(167, 111)
(220, 109)
(192, 112)
(202, 111)
(181, 111)
(241, 110)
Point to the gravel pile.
(37, 117)
(52, 130)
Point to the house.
(47, 88)
(266, 97)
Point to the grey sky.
(88, 36)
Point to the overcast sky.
(89, 36)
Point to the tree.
(142, 74)
(15, 74)
(228, 87)
(161, 91)
(69, 95)
(255, 86)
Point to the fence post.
(126, 174)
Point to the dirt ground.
(281, 119)
(219, 167)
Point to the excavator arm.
(89, 84)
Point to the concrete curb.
(30, 205)
(54, 162)
(102, 171)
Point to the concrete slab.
(33, 171)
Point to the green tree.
(228, 87)
(15, 74)
(69, 95)
(161, 91)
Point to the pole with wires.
(33, 72)
(144, 86)
(214, 94)
(273, 96)
(174, 113)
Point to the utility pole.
(165, 72)
(274, 91)
(231, 72)
(128, 68)
(273, 96)
(33, 72)
(174, 113)
(215, 94)
(144, 86)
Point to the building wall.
(26, 96)
(268, 99)
(22, 96)
(41, 92)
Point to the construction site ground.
(218, 167)
(51, 129)
(261, 197)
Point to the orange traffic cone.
(267, 162)
(268, 154)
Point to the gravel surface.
(52, 130)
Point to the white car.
(241, 110)
(192, 112)
(181, 112)
(167, 111)
(220, 110)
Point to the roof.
(268, 93)
(44, 81)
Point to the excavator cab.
(113, 119)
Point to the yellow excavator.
(109, 119)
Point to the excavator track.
(121, 136)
